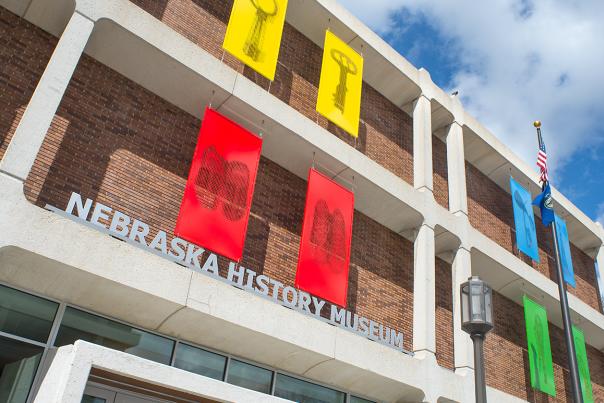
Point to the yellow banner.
(254, 33)
(340, 86)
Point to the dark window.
(26, 315)
(79, 325)
(18, 364)
(249, 376)
(306, 392)
(200, 361)
(92, 399)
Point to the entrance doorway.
(104, 394)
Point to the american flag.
(542, 159)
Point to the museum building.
(103, 301)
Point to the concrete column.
(456, 170)
(36, 120)
(600, 268)
(462, 344)
(422, 144)
(424, 293)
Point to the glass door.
(102, 394)
(92, 394)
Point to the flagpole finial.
(537, 123)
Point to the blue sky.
(514, 61)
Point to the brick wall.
(506, 359)
(490, 212)
(116, 143)
(385, 133)
(444, 315)
(24, 53)
(440, 175)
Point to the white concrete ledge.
(68, 374)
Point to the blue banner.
(564, 247)
(524, 220)
(600, 281)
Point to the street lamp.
(477, 320)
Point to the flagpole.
(568, 332)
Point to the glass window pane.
(26, 315)
(79, 325)
(18, 364)
(199, 361)
(306, 392)
(92, 399)
(249, 376)
(354, 399)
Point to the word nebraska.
(138, 233)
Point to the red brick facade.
(117, 143)
(385, 132)
(24, 53)
(490, 212)
(506, 359)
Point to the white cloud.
(520, 60)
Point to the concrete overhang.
(51, 16)
(48, 254)
(177, 70)
(385, 70)
(498, 162)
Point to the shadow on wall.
(131, 150)
(24, 54)
(385, 129)
(158, 8)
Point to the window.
(79, 325)
(26, 322)
(249, 376)
(306, 392)
(18, 364)
(354, 399)
(25, 315)
(92, 399)
(200, 361)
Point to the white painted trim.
(67, 377)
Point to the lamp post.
(477, 320)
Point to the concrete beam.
(458, 197)
(424, 293)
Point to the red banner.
(326, 236)
(218, 195)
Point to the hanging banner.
(564, 247)
(524, 220)
(254, 33)
(582, 363)
(539, 349)
(218, 194)
(326, 236)
(339, 98)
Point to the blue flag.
(546, 205)
(564, 248)
(524, 220)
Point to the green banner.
(581, 351)
(539, 349)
